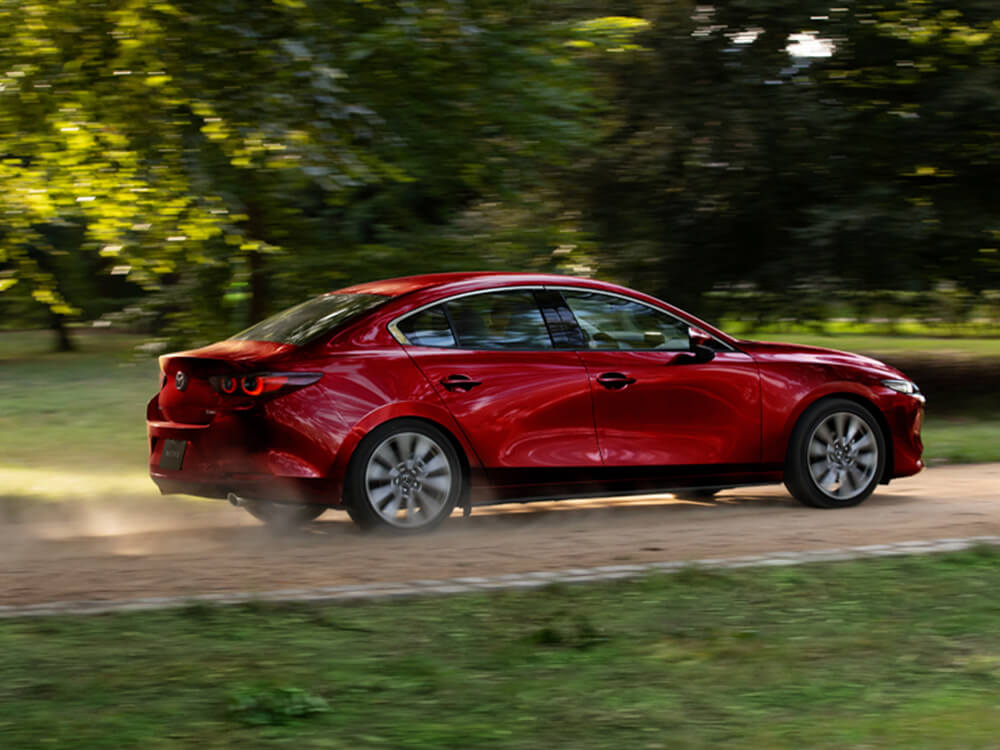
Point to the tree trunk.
(260, 288)
(58, 326)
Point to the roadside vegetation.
(880, 653)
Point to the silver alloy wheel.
(408, 480)
(843, 455)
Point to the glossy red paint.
(538, 423)
(677, 412)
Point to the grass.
(898, 652)
(73, 425)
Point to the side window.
(502, 320)
(428, 328)
(616, 323)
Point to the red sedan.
(398, 400)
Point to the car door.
(523, 404)
(655, 404)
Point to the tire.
(836, 455)
(405, 476)
(283, 515)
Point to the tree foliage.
(229, 157)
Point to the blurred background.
(172, 172)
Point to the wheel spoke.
(839, 423)
(853, 425)
(430, 504)
(863, 442)
(817, 449)
(824, 434)
(380, 494)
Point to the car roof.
(406, 284)
(427, 288)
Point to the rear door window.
(499, 320)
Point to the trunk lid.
(186, 395)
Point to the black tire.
(283, 515)
(836, 455)
(405, 476)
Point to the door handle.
(459, 383)
(614, 381)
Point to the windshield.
(306, 322)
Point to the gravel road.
(177, 547)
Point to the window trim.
(400, 337)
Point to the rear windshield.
(306, 322)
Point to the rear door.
(523, 403)
(654, 405)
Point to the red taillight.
(261, 383)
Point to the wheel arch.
(870, 407)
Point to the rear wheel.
(283, 515)
(836, 455)
(404, 476)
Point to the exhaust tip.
(235, 500)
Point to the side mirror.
(698, 337)
(698, 343)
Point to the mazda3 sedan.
(399, 400)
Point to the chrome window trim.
(400, 337)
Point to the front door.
(654, 405)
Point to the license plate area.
(173, 454)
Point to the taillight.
(253, 385)
(258, 384)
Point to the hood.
(775, 351)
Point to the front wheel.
(404, 476)
(836, 455)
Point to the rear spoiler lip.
(232, 352)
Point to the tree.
(253, 151)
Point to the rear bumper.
(277, 489)
(240, 453)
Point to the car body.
(515, 387)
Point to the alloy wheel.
(408, 480)
(843, 455)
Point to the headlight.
(902, 386)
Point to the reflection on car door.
(524, 405)
(653, 404)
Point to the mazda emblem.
(181, 380)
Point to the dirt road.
(177, 547)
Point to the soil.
(178, 547)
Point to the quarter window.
(428, 328)
(616, 323)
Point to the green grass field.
(890, 653)
(73, 425)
